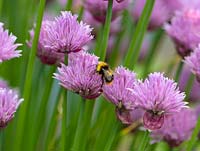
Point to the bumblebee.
(104, 70)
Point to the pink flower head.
(193, 61)
(9, 102)
(65, 34)
(160, 13)
(159, 97)
(184, 29)
(98, 8)
(80, 75)
(7, 45)
(119, 95)
(47, 56)
(176, 128)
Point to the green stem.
(1, 5)
(178, 71)
(98, 41)
(112, 136)
(64, 115)
(1, 139)
(69, 5)
(153, 49)
(189, 85)
(78, 139)
(40, 117)
(116, 49)
(52, 123)
(135, 45)
(145, 141)
(28, 80)
(106, 30)
(64, 121)
(87, 123)
(80, 14)
(194, 136)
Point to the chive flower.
(118, 94)
(184, 29)
(63, 35)
(159, 97)
(46, 56)
(7, 45)
(9, 102)
(80, 75)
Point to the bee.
(104, 70)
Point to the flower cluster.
(133, 99)
(156, 100)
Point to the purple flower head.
(98, 8)
(160, 13)
(193, 61)
(119, 95)
(7, 45)
(159, 97)
(184, 29)
(65, 34)
(9, 102)
(47, 56)
(80, 75)
(176, 128)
